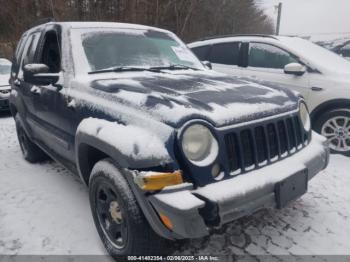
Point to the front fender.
(131, 146)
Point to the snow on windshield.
(318, 56)
(134, 48)
(5, 67)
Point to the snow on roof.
(82, 25)
(225, 39)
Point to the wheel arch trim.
(329, 105)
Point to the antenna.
(52, 9)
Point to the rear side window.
(19, 49)
(29, 49)
(30, 52)
(202, 52)
(225, 53)
(268, 56)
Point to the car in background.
(321, 76)
(5, 88)
(343, 50)
(338, 46)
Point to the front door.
(266, 62)
(55, 120)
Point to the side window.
(50, 54)
(268, 56)
(19, 49)
(202, 52)
(345, 50)
(225, 53)
(28, 52)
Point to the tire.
(118, 218)
(31, 152)
(335, 126)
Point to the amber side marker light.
(150, 181)
(166, 221)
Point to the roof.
(236, 35)
(239, 37)
(101, 25)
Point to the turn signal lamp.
(151, 181)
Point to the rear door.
(266, 62)
(226, 57)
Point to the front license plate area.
(291, 188)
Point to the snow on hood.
(174, 97)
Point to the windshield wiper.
(174, 67)
(125, 69)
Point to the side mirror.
(207, 64)
(295, 69)
(38, 74)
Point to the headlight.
(305, 117)
(199, 145)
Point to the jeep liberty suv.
(168, 148)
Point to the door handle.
(316, 88)
(35, 90)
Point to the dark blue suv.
(168, 148)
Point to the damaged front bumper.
(194, 211)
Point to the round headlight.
(305, 117)
(199, 145)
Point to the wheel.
(335, 126)
(31, 152)
(118, 218)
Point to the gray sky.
(305, 17)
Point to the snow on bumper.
(236, 197)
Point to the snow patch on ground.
(45, 210)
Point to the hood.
(178, 96)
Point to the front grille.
(258, 145)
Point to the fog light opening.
(216, 172)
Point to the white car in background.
(321, 76)
(5, 89)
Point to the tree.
(189, 19)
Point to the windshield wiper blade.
(124, 69)
(174, 67)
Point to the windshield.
(318, 55)
(5, 69)
(135, 48)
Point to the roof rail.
(234, 35)
(42, 21)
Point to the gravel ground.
(44, 210)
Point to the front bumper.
(189, 209)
